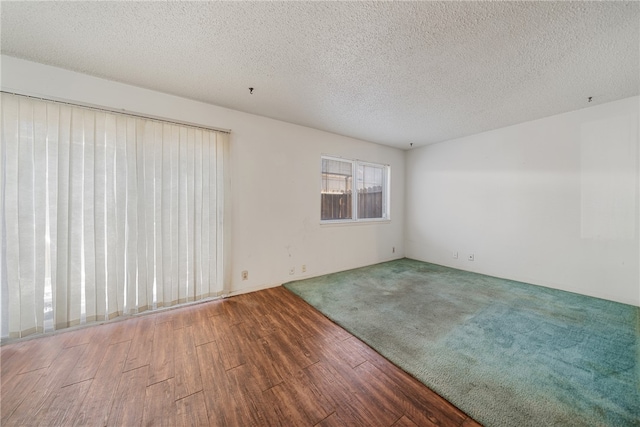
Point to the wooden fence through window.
(338, 206)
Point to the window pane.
(336, 189)
(370, 188)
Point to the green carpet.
(506, 353)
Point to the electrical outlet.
(455, 254)
(303, 268)
(292, 271)
(471, 257)
(245, 275)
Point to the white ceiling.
(386, 72)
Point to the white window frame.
(386, 192)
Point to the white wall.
(553, 202)
(275, 182)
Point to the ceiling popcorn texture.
(386, 72)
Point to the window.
(104, 214)
(339, 202)
(337, 178)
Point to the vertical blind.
(104, 214)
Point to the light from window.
(104, 214)
(340, 203)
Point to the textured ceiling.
(387, 72)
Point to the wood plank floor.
(264, 358)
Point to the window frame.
(386, 192)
